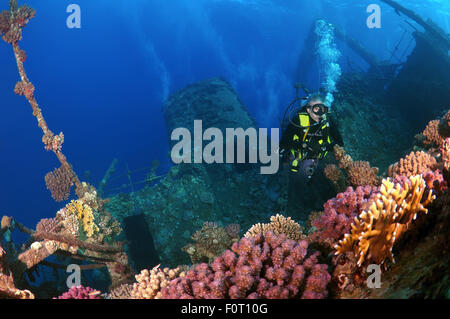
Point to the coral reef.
(80, 292)
(150, 283)
(188, 196)
(278, 225)
(339, 213)
(376, 230)
(364, 224)
(422, 261)
(262, 266)
(413, 164)
(211, 241)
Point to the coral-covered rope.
(11, 24)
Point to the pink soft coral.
(268, 266)
(80, 292)
(339, 213)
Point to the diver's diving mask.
(319, 109)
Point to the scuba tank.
(294, 106)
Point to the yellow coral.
(84, 214)
(375, 231)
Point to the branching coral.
(210, 242)
(262, 266)
(150, 283)
(413, 164)
(376, 230)
(278, 225)
(361, 174)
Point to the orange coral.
(361, 174)
(413, 164)
(332, 172)
(376, 230)
(343, 158)
(431, 133)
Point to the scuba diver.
(310, 135)
(308, 138)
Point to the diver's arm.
(335, 135)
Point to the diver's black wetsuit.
(287, 142)
(300, 189)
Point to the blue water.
(104, 84)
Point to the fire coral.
(376, 230)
